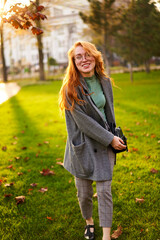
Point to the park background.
(33, 132)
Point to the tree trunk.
(147, 66)
(40, 51)
(4, 68)
(131, 71)
(106, 62)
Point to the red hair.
(72, 79)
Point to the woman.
(86, 95)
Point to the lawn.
(33, 137)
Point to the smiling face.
(85, 62)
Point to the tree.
(102, 19)
(4, 69)
(138, 37)
(24, 17)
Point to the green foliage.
(52, 61)
(138, 36)
(31, 118)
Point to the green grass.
(32, 118)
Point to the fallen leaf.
(17, 158)
(58, 159)
(117, 233)
(14, 143)
(33, 184)
(158, 141)
(22, 131)
(9, 184)
(46, 142)
(4, 148)
(15, 137)
(95, 195)
(70, 181)
(43, 190)
(153, 136)
(20, 173)
(7, 195)
(49, 218)
(20, 199)
(37, 154)
(141, 200)
(131, 182)
(153, 170)
(147, 157)
(135, 149)
(26, 158)
(46, 172)
(23, 148)
(60, 163)
(1, 181)
(10, 166)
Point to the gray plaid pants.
(105, 204)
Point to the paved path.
(8, 90)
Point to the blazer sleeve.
(88, 125)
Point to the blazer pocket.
(82, 161)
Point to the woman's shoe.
(88, 234)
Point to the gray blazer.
(89, 136)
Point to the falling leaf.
(9, 184)
(141, 200)
(95, 195)
(46, 172)
(43, 190)
(117, 233)
(33, 184)
(7, 195)
(153, 170)
(49, 218)
(60, 163)
(4, 148)
(24, 148)
(20, 199)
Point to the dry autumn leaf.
(10, 166)
(95, 195)
(117, 233)
(60, 163)
(4, 148)
(20, 173)
(49, 218)
(23, 148)
(1, 181)
(141, 200)
(9, 184)
(43, 190)
(33, 184)
(58, 159)
(17, 158)
(46, 172)
(20, 199)
(135, 149)
(7, 195)
(153, 170)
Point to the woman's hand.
(118, 143)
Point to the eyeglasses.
(79, 57)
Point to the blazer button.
(95, 150)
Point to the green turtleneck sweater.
(97, 95)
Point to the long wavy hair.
(72, 76)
